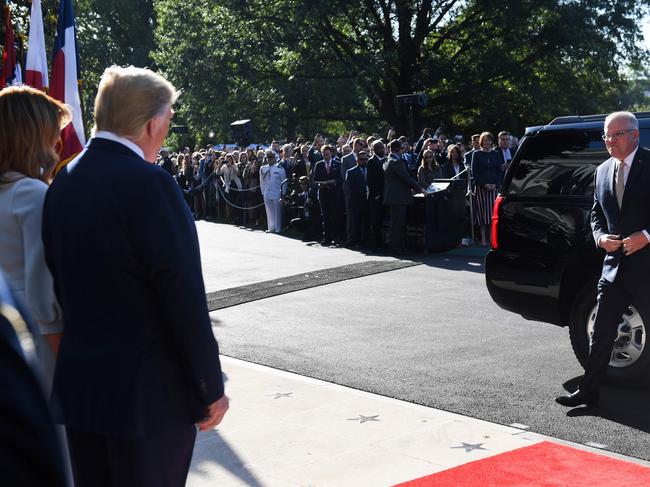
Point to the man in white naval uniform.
(271, 178)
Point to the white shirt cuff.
(647, 235)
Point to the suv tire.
(633, 337)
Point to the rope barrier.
(237, 189)
(234, 205)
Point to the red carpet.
(544, 464)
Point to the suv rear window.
(558, 163)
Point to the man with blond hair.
(138, 370)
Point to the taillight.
(494, 236)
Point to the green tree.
(109, 32)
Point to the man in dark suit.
(505, 154)
(620, 221)
(138, 369)
(356, 182)
(375, 183)
(348, 162)
(397, 195)
(475, 146)
(327, 178)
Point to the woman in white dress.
(30, 125)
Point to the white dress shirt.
(627, 162)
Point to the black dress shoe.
(578, 398)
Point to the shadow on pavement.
(451, 262)
(622, 405)
(212, 450)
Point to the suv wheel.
(630, 360)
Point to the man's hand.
(611, 243)
(634, 243)
(216, 412)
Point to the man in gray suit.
(397, 195)
(347, 163)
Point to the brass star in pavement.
(470, 447)
(279, 395)
(362, 419)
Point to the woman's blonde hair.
(30, 123)
(127, 98)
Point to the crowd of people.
(338, 192)
(137, 371)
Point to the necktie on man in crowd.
(36, 67)
(620, 183)
(64, 85)
(327, 167)
(11, 74)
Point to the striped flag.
(36, 68)
(64, 81)
(10, 69)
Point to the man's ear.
(152, 126)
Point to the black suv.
(544, 263)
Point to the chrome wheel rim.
(630, 340)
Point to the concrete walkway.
(287, 430)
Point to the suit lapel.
(633, 178)
(610, 191)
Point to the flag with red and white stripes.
(64, 81)
(36, 67)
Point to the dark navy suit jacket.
(321, 176)
(634, 215)
(138, 354)
(356, 182)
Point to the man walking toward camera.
(620, 221)
(138, 366)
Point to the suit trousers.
(376, 222)
(360, 213)
(613, 300)
(332, 216)
(397, 227)
(273, 213)
(349, 218)
(159, 460)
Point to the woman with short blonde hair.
(30, 125)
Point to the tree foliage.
(109, 32)
(294, 65)
(298, 67)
